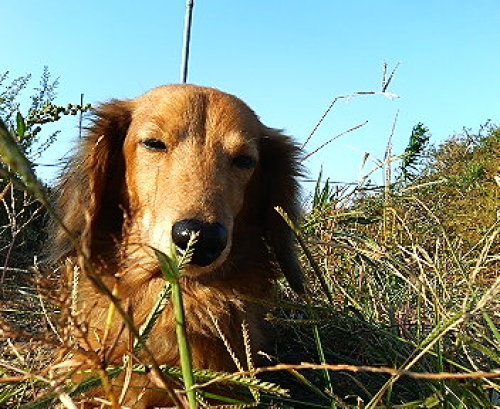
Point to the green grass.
(402, 308)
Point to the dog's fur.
(120, 200)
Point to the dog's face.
(180, 160)
(189, 157)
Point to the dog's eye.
(244, 162)
(154, 145)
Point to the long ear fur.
(90, 193)
(280, 167)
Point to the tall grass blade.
(493, 328)
(170, 269)
(12, 155)
(161, 303)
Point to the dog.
(150, 172)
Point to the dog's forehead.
(190, 110)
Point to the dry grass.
(402, 309)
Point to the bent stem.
(18, 166)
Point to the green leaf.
(169, 267)
(20, 126)
(492, 326)
(360, 220)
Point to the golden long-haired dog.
(151, 171)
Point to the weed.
(402, 307)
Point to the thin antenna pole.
(187, 37)
(80, 121)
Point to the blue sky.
(287, 59)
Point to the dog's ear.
(279, 163)
(90, 195)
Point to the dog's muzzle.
(210, 243)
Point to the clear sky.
(287, 59)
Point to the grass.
(402, 308)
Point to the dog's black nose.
(211, 241)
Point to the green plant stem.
(184, 349)
(171, 268)
(12, 155)
(316, 269)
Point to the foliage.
(42, 110)
(459, 183)
(22, 217)
(413, 153)
(414, 279)
(402, 306)
(323, 193)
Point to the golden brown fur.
(120, 199)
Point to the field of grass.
(403, 292)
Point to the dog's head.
(179, 160)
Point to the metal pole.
(80, 122)
(187, 38)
